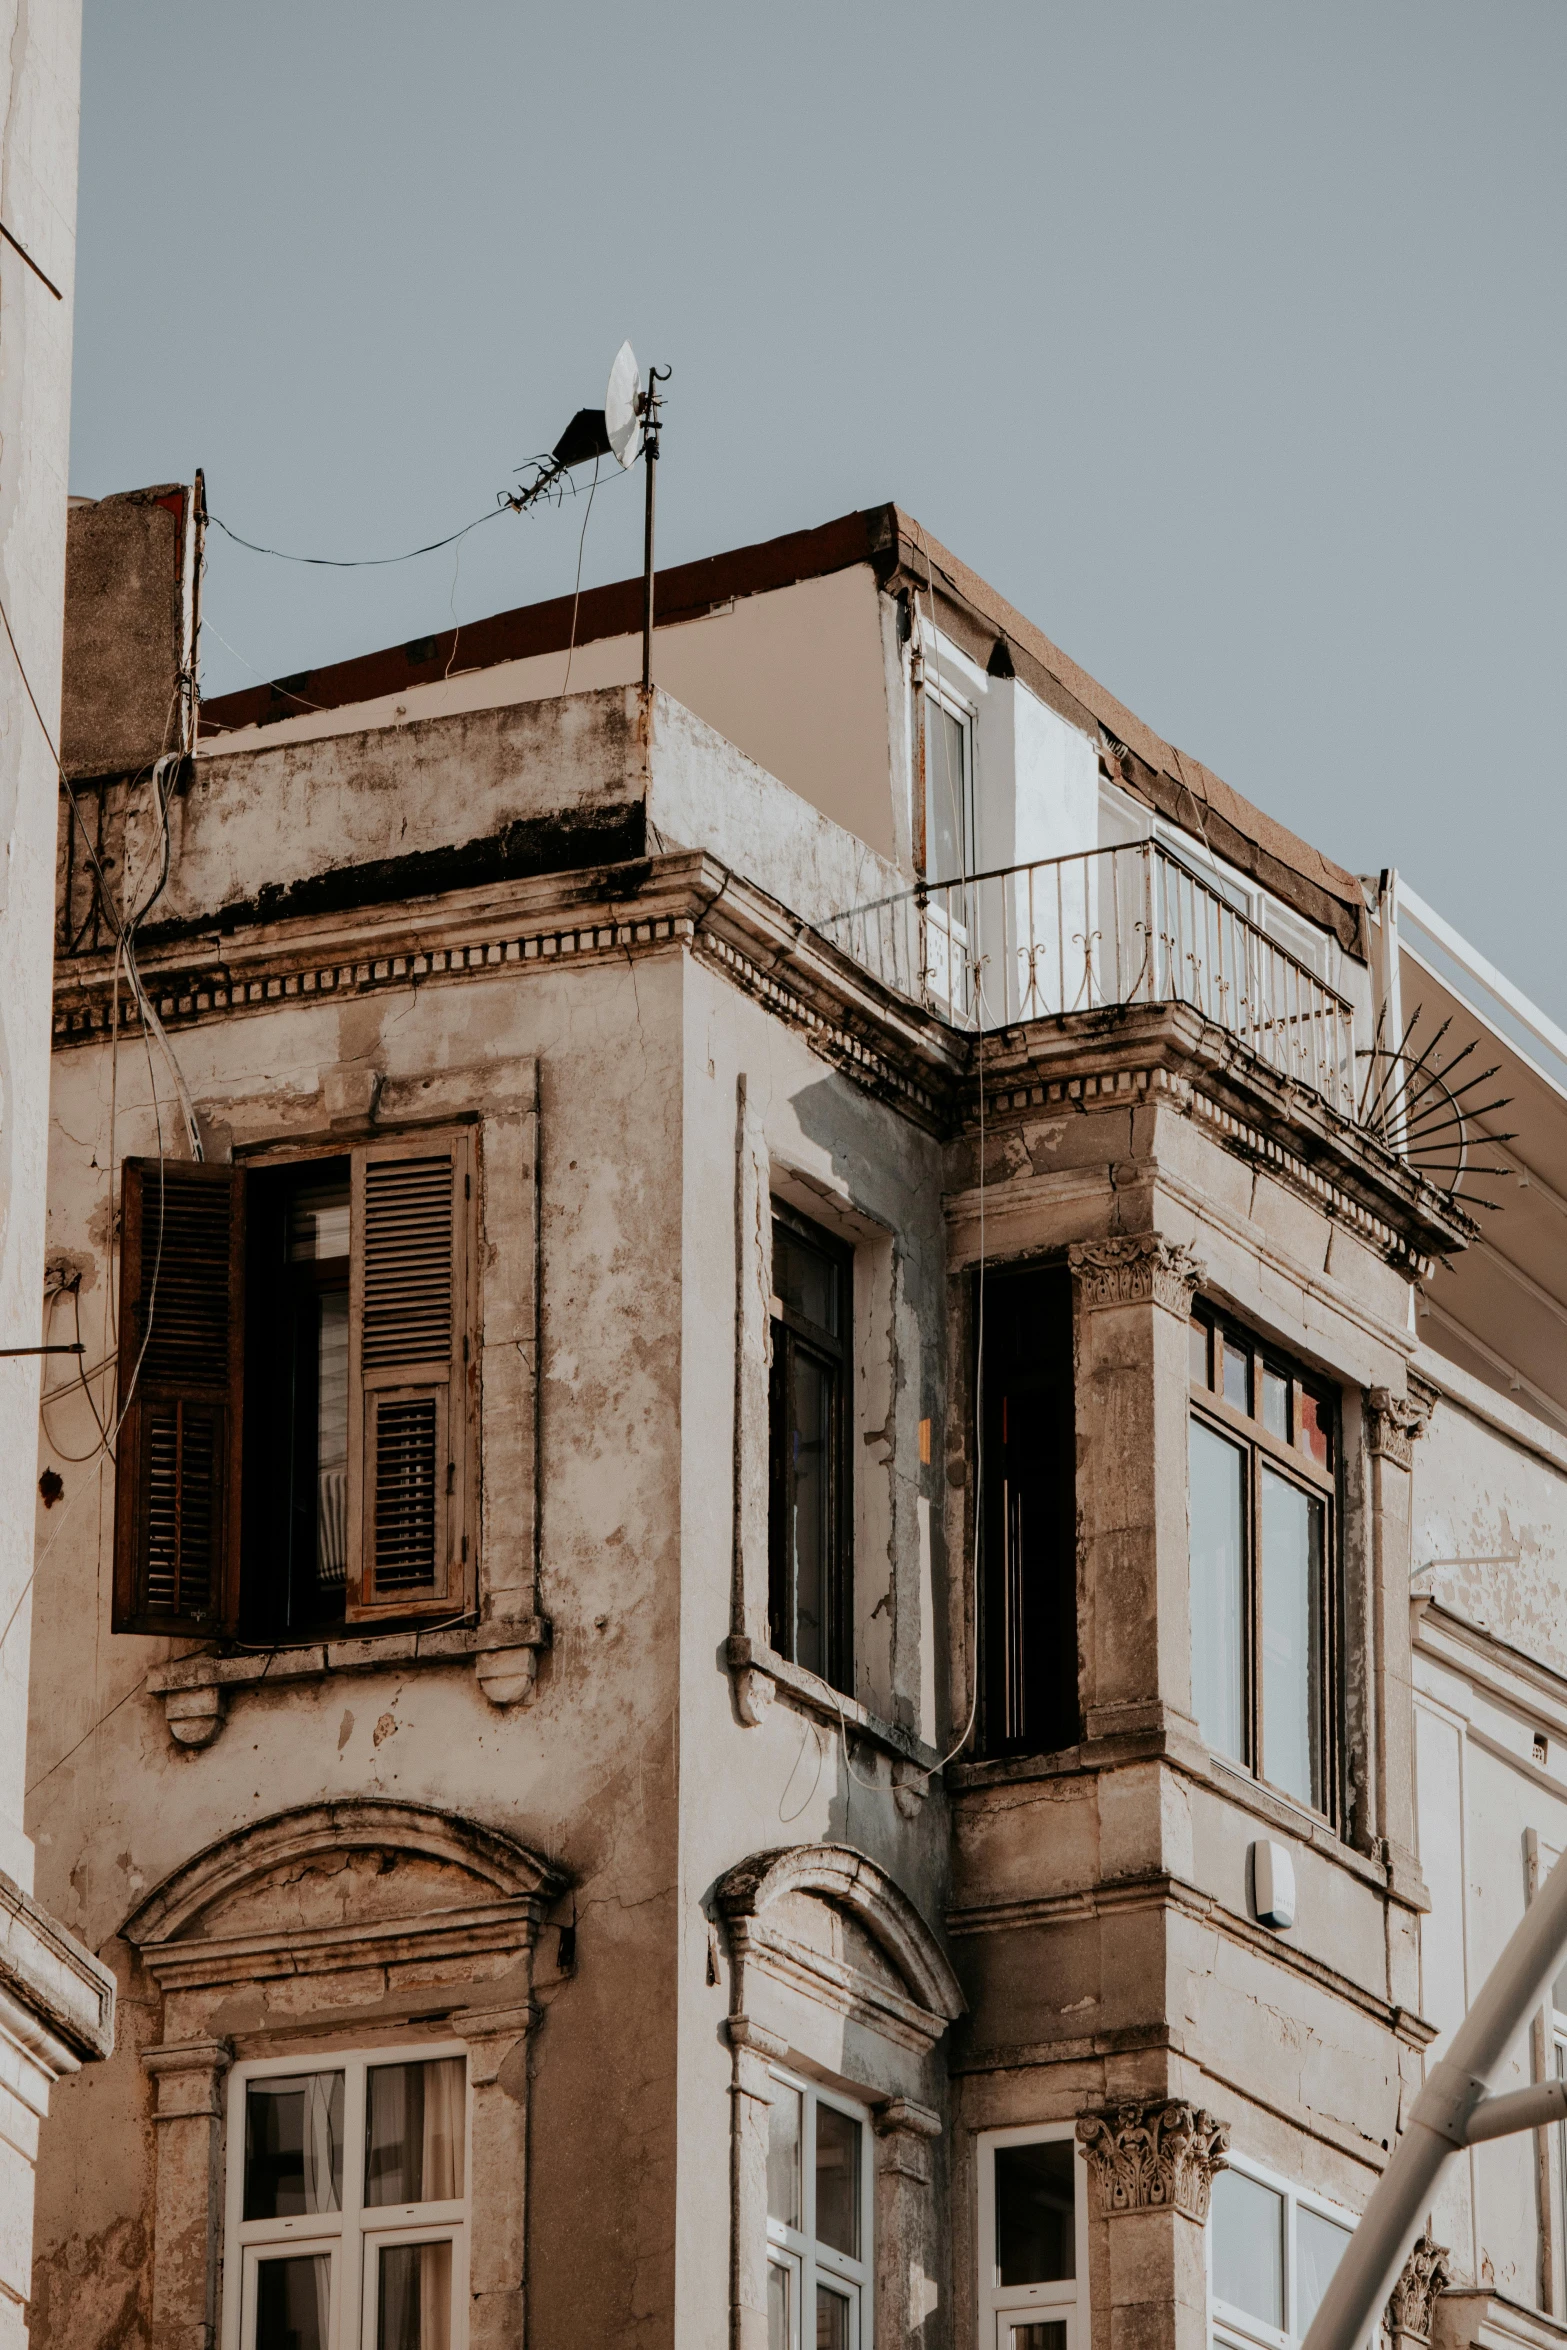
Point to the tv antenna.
(625, 428)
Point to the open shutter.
(409, 1359)
(181, 1358)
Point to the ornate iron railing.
(1127, 925)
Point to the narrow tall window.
(1027, 1479)
(348, 2203)
(810, 1594)
(949, 790)
(1030, 2274)
(1262, 1496)
(818, 2222)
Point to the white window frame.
(1003, 2305)
(352, 2236)
(1237, 2328)
(796, 2250)
(957, 707)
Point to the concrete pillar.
(1153, 2162)
(1393, 1423)
(908, 2259)
(496, 2039)
(188, 2206)
(1133, 1303)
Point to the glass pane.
(1047, 2333)
(1291, 1638)
(808, 1500)
(833, 2311)
(293, 2145)
(1247, 2220)
(1237, 1377)
(1276, 1404)
(1197, 1342)
(318, 1223)
(805, 1279)
(837, 2181)
(292, 2302)
(1314, 1434)
(780, 2316)
(1218, 1473)
(946, 794)
(413, 2301)
(414, 2132)
(1319, 2247)
(783, 2156)
(1035, 2239)
(332, 1442)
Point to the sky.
(1227, 338)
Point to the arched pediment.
(329, 1884)
(884, 1961)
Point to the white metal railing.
(1126, 925)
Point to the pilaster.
(1153, 2162)
(1393, 1424)
(908, 2258)
(188, 2196)
(496, 2039)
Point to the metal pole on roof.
(650, 405)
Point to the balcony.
(1105, 927)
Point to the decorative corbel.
(1407, 2322)
(507, 1672)
(1395, 1422)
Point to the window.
(347, 2211)
(1032, 2244)
(810, 1594)
(1262, 1499)
(1272, 2250)
(295, 1345)
(819, 2189)
(948, 847)
(1028, 1563)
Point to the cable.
(576, 593)
(356, 562)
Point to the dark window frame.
(1286, 1456)
(792, 1332)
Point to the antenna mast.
(648, 407)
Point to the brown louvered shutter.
(180, 1364)
(410, 1377)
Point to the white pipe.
(1449, 2113)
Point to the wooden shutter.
(180, 1363)
(411, 1373)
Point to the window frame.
(796, 2249)
(787, 1331)
(1293, 1465)
(351, 2235)
(999, 2305)
(964, 714)
(1231, 2328)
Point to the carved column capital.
(1394, 1422)
(1155, 2154)
(1411, 2306)
(1132, 1268)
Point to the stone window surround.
(195, 1967)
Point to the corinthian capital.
(1156, 2155)
(1394, 1422)
(1412, 2302)
(1132, 1268)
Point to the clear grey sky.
(1226, 337)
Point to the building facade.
(56, 2002)
(751, 1672)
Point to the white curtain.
(442, 2167)
(323, 2117)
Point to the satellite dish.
(621, 402)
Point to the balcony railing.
(1127, 925)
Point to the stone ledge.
(59, 1998)
(196, 1689)
(760, 1675)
